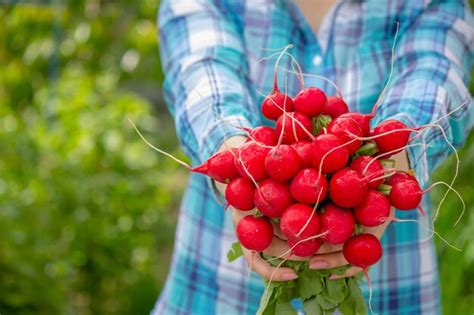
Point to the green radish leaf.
(370, 148)
(309, 284)
(339, 270)
(288, 293)
(324, 120)
(324, 272)
(354, 303)
(324, 303)
(234, 252)
(265, 300)
(311, 307)
(359, 229)
(284, 308)
(330, 311)
(384, 189)
(269, 310)
(387, 163)
(335, 290)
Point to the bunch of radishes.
(316, 184)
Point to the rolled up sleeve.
(432, 69)
(207, 89)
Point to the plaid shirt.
(215, 48)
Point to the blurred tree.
(87, 211)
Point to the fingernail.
(318, 264)
(335, 277)
(289, 276)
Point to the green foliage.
(87, 211)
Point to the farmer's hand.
(330, 256)
(278, 247)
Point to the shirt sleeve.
(206, 79)
(432, 68)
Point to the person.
(214, 58)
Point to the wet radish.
(335, 107)
(395, 136)
(310, 101)
(239, 194)
(304, 150)
(346, 129)
(295, 127)
(363, 250)
(254, 233)
(304, 248)
(406, 195)
(374, 168)
(309, 186)
(338, 222)
(374, 209)
(272, 197)
(347, 188)
(295, 218)
(264, 135)
(250, 161)
(282, 162)
(333, 161)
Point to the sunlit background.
(87, 211)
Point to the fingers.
(351, 272)
(329, 248)
(266, 271)
(327, 261)
(279, 248)
(237, 215)
(277, 231)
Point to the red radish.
(363, 120)
(347, 188)
(333, 161)
(304, 248)
(310, 101)
(374, 210)
(254, 233)
(375, 168)
(303, 148)
(272, 197)
(219, 167)
(295, 218)
(282, 162)
(309, 186)
(362, 250)
(264, 135)
(276, 103)
(345, 128)
(240, 194)
(399, 177)
(335, 107)
(392, 141)
(292, 130)
(338, 222)
(273, 104)
(253, 157)
(405, 195)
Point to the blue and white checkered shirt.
(216, 47)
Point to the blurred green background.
(87, 211)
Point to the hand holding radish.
(314, 193)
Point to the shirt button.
(317, 60)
